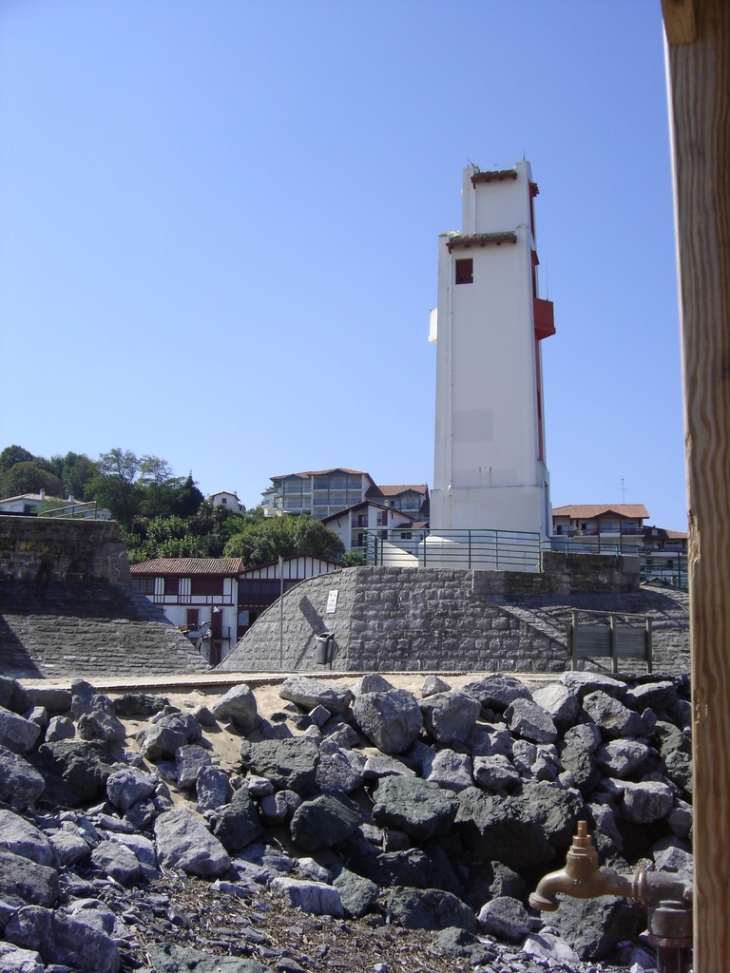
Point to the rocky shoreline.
(355, 826)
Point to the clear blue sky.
(219, 222)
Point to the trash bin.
(322, 655)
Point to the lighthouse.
(489, 468)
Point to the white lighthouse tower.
(490, 469)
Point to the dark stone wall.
(55, 549)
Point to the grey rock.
(170, 958)
(673, 855)
(550, 947)
(671, 739)
(274, 731)
(94, 714)
(258, 786)
(434, 684)
(505, 882)
(661, 695)
(420, 808)
(161, 741)
(429, 909)
(324, 821)
(313, 871)
(70, 847)
(60, 728)
(357, 894)
(139, 706)
(141, 815)
(13, 696)
(16, 733)
(239, 706)
(547, 765)
(559, 702)
(142, 847)
(524, 830)
(319, 715)
(377, 767)
(593, 927)
(583, 683)
(451, 770)
(117, 861)
(313, 733)
(288, 764)
(212, 788)
(646, 801)
(612, 717)
(37, 715)
(127, 786)
(315, 898)
(680, 818)
(189, 761)
(53, 699)
(679, 770)
(335, 774)
(276, 809)
(75, 771)
(201, 714)
(64, 939)
(530, 721)
(622, 758)
(460, 943)
(23, 881)
(505, 918)
(371, 682)
(184, 842)
(23, 838)
(495, 773)
(580, 762)
(486, 741)
(390, 720)
(450, 716)
(497, 691)
(585, 736)
(606, 825)
(524, 755)
(308, 693)
(238, 824)
(13, 959)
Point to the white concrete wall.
(487, 472)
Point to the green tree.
(75, 470)
(28, 477)
(354, 558)
(264, 541)
(12, 455)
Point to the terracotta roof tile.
(187, 566)
(393, 490)
(588, 511)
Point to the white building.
(490, 469)
(353, 524)
(230, 500)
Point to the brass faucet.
(667, 896)
(581, 877)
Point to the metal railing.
(88, 511)
(665, 567)
(484, 550)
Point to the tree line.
(162, 515)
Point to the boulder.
(390, 720)
(593, 927)
(371, 682)
(237, 824)
(94, 714)
(429, 909)
(552, 948)
(324, 821)
(183, 842)
(70, 847)
(497, 691)
(451, 770)
(239, 706)
(64, 939)
(313, 897)
(505, 918)
(23, 838)
(60, 728)
(139, 706)
(583, 683)
(647, 801)
(170, 958)
(420, 808)
(336, 774)
(673, 855)
(13, 959)
(379, 766)
(116, 861)
(75, 771)
(622, 758)
(659, 696)
(679, 770)
(16, 733)
(434, 684)
(212, 788)
(559, 703)
(495, 773)
(308, 693)
(13, 696)
(23, 881)
(530, 721)
(189, 762)
(580, 762)
(450, 716)
(611, 717)
(460, 943)
(169, 733)
(276, 809)
(128, 786)
(288, 764)
(358, 894)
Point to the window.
(172, 586)
(224, 500)
(145, 585)
(192, 617)
(406, 535)
(465, 271)
(206, 586)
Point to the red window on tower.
(464, 271)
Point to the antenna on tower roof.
(472, 164)
(523, 156)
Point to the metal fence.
(484, 550)
(88, 511)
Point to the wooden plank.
(699, 80)
(679, 21)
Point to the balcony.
(544, 318)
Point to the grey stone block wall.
(55, 549)
(395, 619)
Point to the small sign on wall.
(331, 602)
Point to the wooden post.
(614, 645)
(699, 80)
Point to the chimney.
(43, 494)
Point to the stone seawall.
(389, 619)
(55, 549)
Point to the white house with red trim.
(353, 524)
(225, 499)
